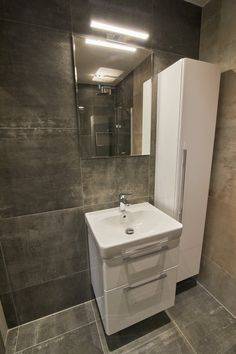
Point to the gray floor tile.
(213, 333)
(52, 326)
(168, 342)
(80, 341)
(11, 341)
(191, 304)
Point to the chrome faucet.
(123, 201)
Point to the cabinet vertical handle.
(183, 174)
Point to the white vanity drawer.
(129, 304)
(140, 263)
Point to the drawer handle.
(144, 252)
(160, 277)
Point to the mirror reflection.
(114, 90)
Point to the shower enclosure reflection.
(113, 89)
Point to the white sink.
(108, 227)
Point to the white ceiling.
(201, 3)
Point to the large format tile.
(122, 13)
(50, 13)
(56, 295)
(41, 247)
(40, 171)
(9, 309)
(99, 181)
(177, 27)
(168, 342)
(218, 282)
(11, 341)
(132, 175)
(206, 324)
(190, 305)
(36, 77)
(4, 288)
(51, 326)
(82, 340)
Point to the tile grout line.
(181, 333)
(53, 314)
(58, 336)
(100, 338)
(218, 301)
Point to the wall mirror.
(114, 97)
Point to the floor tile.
(80, 341)
(52, 326)
(168, 342)
(11, 341)
(191, 304)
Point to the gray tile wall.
(218, 271)
(45, 187)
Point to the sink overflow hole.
(129, 231)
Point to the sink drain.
(129, 231)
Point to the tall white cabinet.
(186, 118)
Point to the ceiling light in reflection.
(109, 44)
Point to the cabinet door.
(167, 139)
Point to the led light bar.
(108, 44)
(121, 30)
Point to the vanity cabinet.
(135, 284)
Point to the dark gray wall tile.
(9, 310)
(42, 247)
(177, 27)
(40, 171)
(132, 175)
(44, 299)
(99, 181)
(122, 12)
(36, 77)
(2, 347)
(50, 13)
(83, 340)
(4, 284)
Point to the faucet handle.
(123, 195)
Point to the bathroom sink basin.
(115, 231)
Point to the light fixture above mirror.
(119, 30)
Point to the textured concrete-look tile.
(82, 340)
(213, 333)
(44, 299)
(190, 305)
(36, 75)
(41, 247)
(9, 309)
(99, 181)
(219, 283)
(132, 175)
(168, 342)
(120, 12)
(219, 241)
(11, 341)
(40, 171)
(48, 327)
(177, 27)
(50, 13)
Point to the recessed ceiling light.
(107, 74)
(121, 30)
(108, 44)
